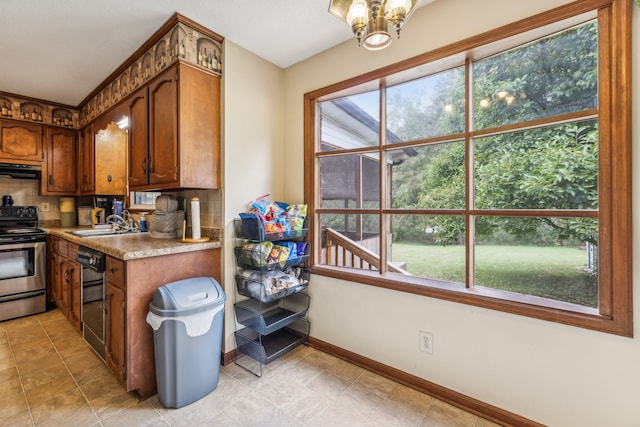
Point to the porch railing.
(344, 252)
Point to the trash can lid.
(187, 297)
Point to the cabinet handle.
(144, 166)
(150, 165)
(112, 270)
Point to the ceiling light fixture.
(371, 19)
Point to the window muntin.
(549, 77)
(611, 214)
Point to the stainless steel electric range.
(22, 263)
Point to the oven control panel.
(19, 212)
(91, 258)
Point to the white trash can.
(186, 317)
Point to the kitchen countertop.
(130, 246)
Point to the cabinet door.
(56, 275)
(110, 166)
(115, 332)
(59, 176)
(138, 139)
(63, 277)
(163, 128)
(86, 175)
(199, 132)
(20, 142)
(75, 294)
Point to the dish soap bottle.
(143, 221)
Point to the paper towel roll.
(195, 218)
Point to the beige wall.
(553, 374)
(254, 151)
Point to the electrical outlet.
(44, 207)
(425, 342)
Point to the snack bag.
(255, 253)
(278, 254)
(267, 210)
(292, 249)
(301, 248)
(296, 215)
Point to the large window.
(497, 176)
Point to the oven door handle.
(26, 245)
(24, 295)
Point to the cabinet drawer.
(72, 250)
(63, 247)
(115, 271)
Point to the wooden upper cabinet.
(163, 128)
(174, 136)
(111, 165)
(103, 155)
(59, 172)
(138, 138)
(199, 132)
(86, 161)
(20, 142)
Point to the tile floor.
(50, 377)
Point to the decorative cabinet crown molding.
(179, 39)
(184, 41)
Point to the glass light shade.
(393, 5)
(358, 11)
(377, 35)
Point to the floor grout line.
(314, 372)
(75, 381)
(15, 363)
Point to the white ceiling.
(62, 50)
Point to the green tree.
(552, 167)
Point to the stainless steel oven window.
(17, 262)
(22, 267)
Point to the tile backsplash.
(26, 192)
(211, 212)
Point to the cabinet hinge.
(124, 368)
(123, 304)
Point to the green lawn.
(550, 272)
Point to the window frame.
(614, 314)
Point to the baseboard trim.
(229, 357)
(469, 404)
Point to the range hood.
(20, 171)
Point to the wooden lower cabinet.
(115, 330)
(66, 281)
(130, 288)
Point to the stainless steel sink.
(98, 232)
